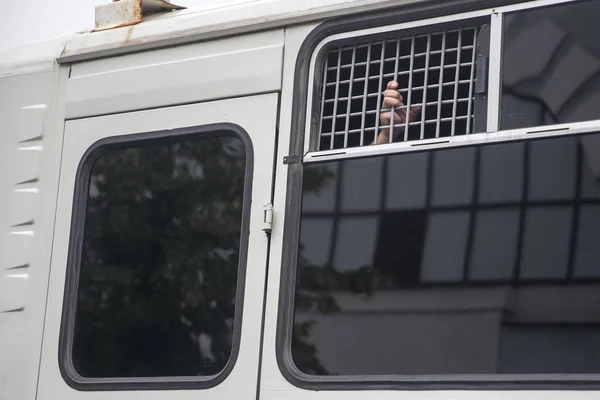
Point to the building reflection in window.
(551, 65)
(471, 260)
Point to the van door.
(159, 258)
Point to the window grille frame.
(393, 37)
(493, 132)
(304, 139)
(75, 251)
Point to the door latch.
(267, 218)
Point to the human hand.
(393, 98)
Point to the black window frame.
(291, 230)
(80, 195)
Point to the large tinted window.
(551, 65)
(473, 260)
(156, 293)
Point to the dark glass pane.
(452, 261)
(160, 257)
(551, 65)
(566, 349)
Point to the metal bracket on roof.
(128, 12)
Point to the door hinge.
(267, 218)
(291, 159)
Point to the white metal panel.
(30, 120)
(35, 57)
(14, 287)
(27, 203)
(257, 115)
(428, 395)
(20, 243)
(23, 205)
(273, 384)
(223, 68)
(29, 170)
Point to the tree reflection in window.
(159, 267)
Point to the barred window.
(435, 71)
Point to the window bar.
(391, 74)
(456, 82)
(360, 64)
(335, 102)
(424, 88)
(361, 45)
(414, 88)
(470, 104)
(441, 81)
(349, 101)
(392, 109)
(417, 123)
(323, 89)
(407, 57)
(365, 92)
(410, 76)
(379, 91)
(429, 103)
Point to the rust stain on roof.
(122, 13)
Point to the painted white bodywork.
(30, 148)
(230, 67)
(213, 20)
(78, 137)
(173, 70)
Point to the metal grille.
(434, 71)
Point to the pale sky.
(27, 21)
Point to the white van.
(211, 204)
